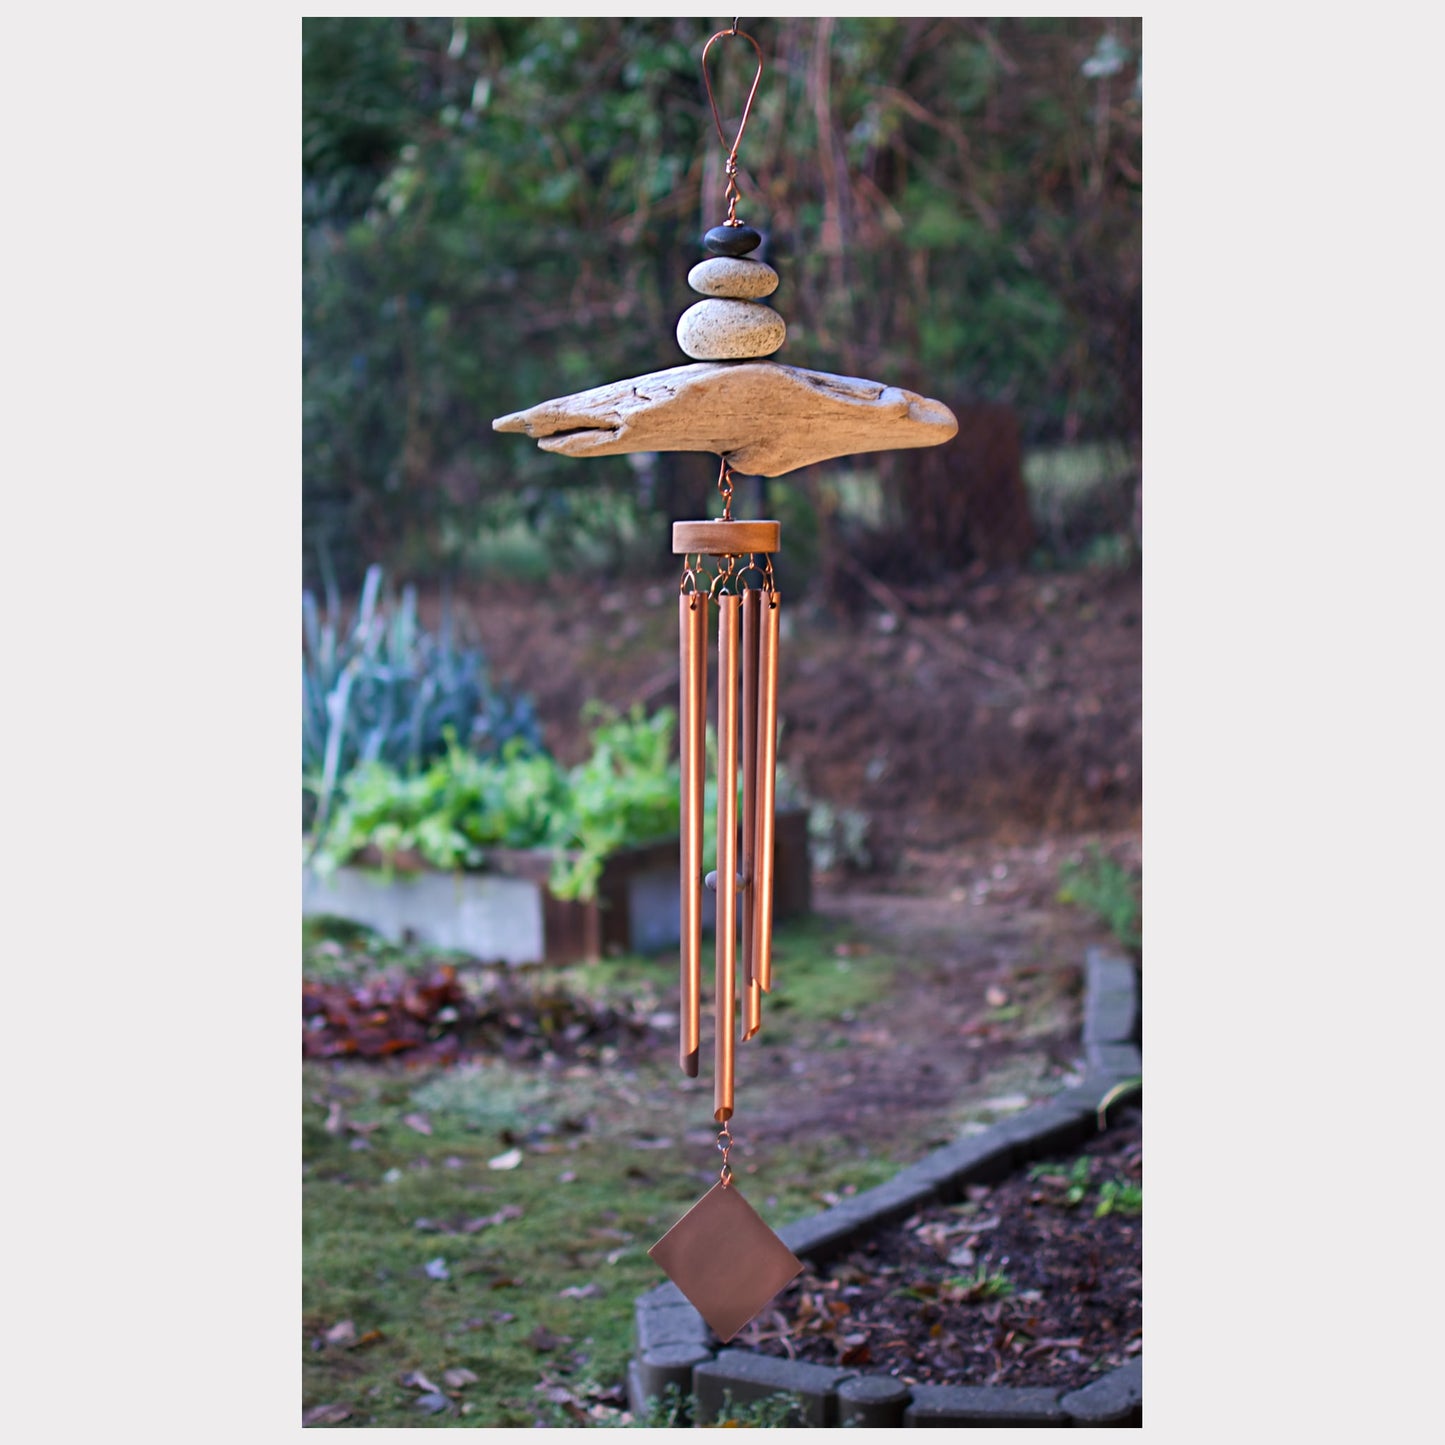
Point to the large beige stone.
(736, 277)
(765, 419)
(723, 330)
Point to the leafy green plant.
(448, 815)
(1075, 1181)
(667, 1411)
(1121, 1195)
(381, 689)
(1106, 890)
(982, 1284)
(772, 1412)
(625, 793)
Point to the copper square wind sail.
(764, 419)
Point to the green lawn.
(423, 1260)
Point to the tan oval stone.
(735, 277)
(726, 330)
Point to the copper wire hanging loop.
(732, 194)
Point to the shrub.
(383, 690)
(1106, 890)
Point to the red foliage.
(385, 1015)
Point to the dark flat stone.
(732, 240)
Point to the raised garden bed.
(678, 1355)
(510, 915)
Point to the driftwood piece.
(764, 419)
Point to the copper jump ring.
(725, 1144)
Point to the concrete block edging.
(675, 1346)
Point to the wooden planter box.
(509, 915)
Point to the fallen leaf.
(962, 1257)
(580, 1291)
(856, 1355)
(419, 1122)
(543, 1339)
(437, 1268)
(433, 1403)
(343, 1332)
(485, 1221)
(371, 1337)
(334, 1121)
(459, 1378)
(1044, 1346)
(415, 1380)
(509, 1160)
(326, 1415)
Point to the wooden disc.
(724, 539)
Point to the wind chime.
(764, 419)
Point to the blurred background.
(498, 211)
(501, 211)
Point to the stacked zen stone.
(731, 325)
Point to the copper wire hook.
(732, 150)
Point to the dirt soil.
(1027, 1283)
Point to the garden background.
(155, 438)
(497, 211)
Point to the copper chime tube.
(761, 890)
(727, 848)
(752, 994)
(692, 748)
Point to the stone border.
(675, 1347)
